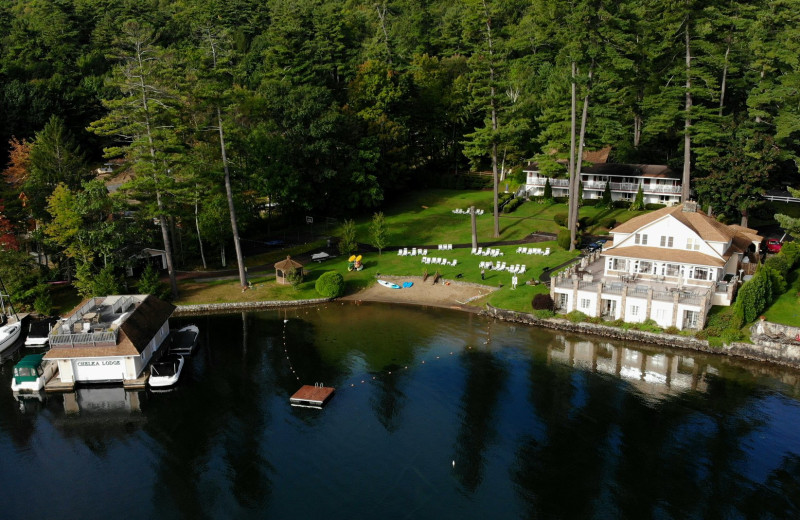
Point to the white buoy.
(454, 464)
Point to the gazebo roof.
(285, 265)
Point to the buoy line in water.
(380, 373)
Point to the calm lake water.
(437, 414)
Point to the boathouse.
(109, 339)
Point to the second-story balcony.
(632, 187)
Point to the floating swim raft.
(309, 396)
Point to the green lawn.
(786, 309)
(426, 217)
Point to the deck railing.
(87, 339)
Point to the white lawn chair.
(424, 252)
(546, 252)
(414, 251)
(454, 262)
(400, 252)
(474, 250)
(522, 269)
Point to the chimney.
(690, 206)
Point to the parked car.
(596, 246)
(774, 245)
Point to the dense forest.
(333, 107)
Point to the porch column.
(599, 306)
(622, 302)
(675, 298)
(575, 283)
(649, 302)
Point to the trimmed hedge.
(513, 204)
(609, 223)
(560, 219)
(330, 285)
(653, 206)
(563, 239)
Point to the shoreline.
(450, 294)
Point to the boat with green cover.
(31, 373)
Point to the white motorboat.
(184, 340)
(9, 334)
(31, 373)
(166, 371)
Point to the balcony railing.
(553, 182)
(632, 187)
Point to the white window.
(618, 264)
(666, 241)
(585, 303)
(701, 273)
(645, 267)
(660, 314)
(641, 239)
(634, 310)
(693, 244)
(673, 270)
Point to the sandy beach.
(448, 294)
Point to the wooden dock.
(309, 396)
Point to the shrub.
(701, 334)
(586, 222)
(43, 304)
(347, 242)
(791, 251)
(576, 316)
(594, 319)
(713, 331)
(648, 325)
(561, 200)
(715, 342)
(590, 202)
(778, 263)
(330, 285)
(543, 314)
(542, 302)
(638, 202)
(616, 323)
(609, 222)
(563, 239)
(548, 190)
(295, 277)
(621, 204)
(653, 206)
(672, 329)
(560, 219)
(732, 335)
(149, 283)
(513, 204)
(721, 321)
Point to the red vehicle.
(774, 245)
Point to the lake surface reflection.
(437, 414)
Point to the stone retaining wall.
(188, 310)
(771, 351)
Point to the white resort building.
(670, 266)
(660, 185)
(109, 339)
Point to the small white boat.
(9, 334)
(184, 340)
(31, 373)
(390, 285)
(39, 331)
(166, 371)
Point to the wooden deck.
(311, 396)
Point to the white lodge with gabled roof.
(670, 266)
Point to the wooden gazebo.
(283, 267)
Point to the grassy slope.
(786, 309)
(421, 218)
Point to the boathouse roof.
(119, 325)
